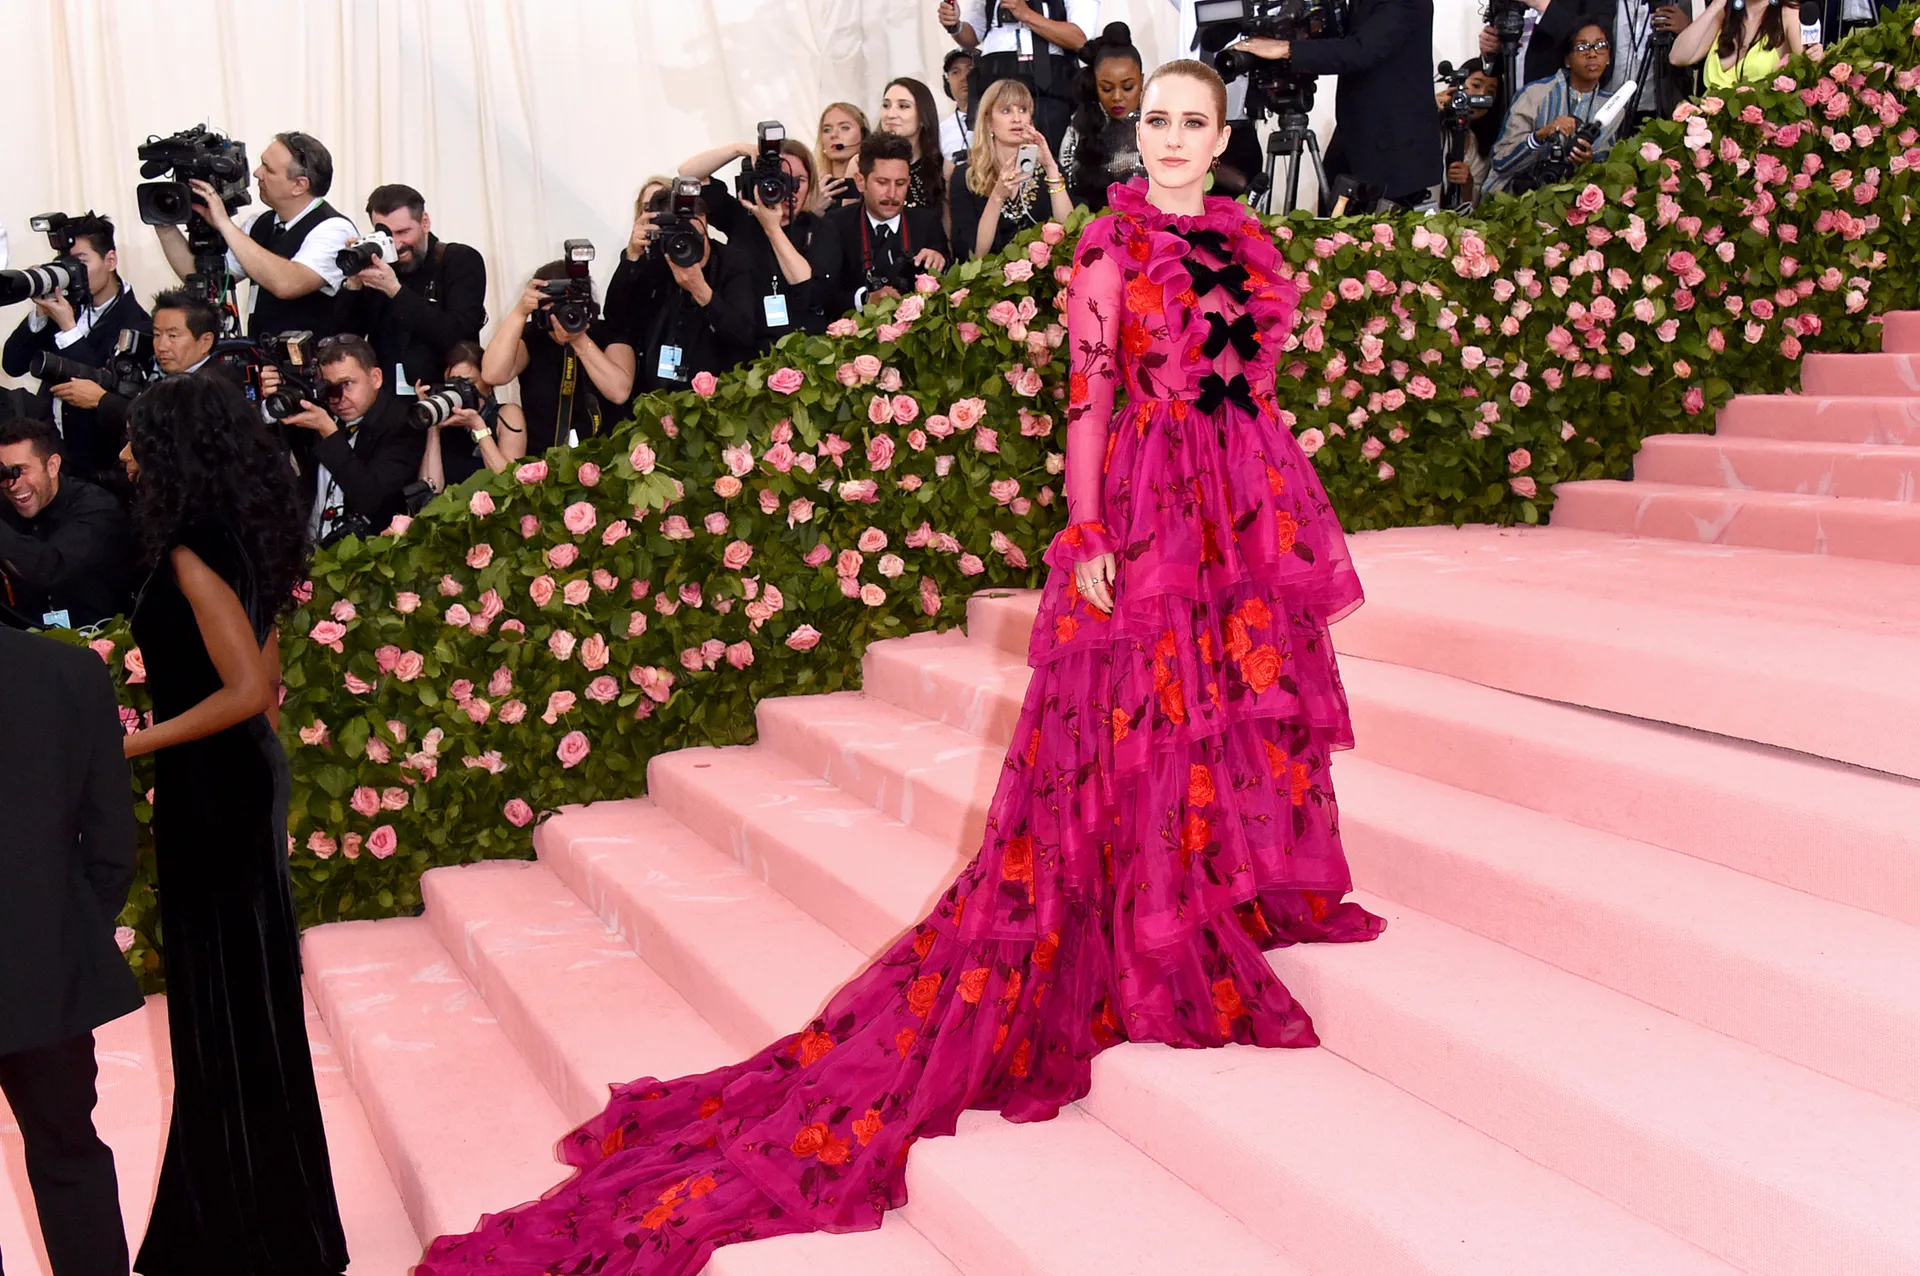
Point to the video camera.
(437, 406)
(570, 301)
(1555, 164)
(767, 181)
(64, 276)
(193, 153)
(1455, 120)
(677, 235)
(377, 246)
(130, 368)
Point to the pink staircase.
(1832, 470)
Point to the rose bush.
(531, 639)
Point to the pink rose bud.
(518, 813)
(785, 380)
(588, 475)
(480, 504)
(805, 638)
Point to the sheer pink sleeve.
(1095, 300)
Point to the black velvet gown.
(245, 1186)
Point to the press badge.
(776, 304)
(669, 369)
(56, 620)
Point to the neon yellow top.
(1759, 62)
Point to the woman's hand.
(1008, 187)
(638, 238)
(1095, 579)
(1035, 138)
(531, 299)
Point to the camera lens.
(35, 281)
(436, 408)
(352, 260)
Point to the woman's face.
(1181, 133)
(1118, 80)
(898, 113)
(1011, 119)
(1591, 53)
(839, 135)
(1480, 84)
(469, 371)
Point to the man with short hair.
(70, 836)
(956, 134)
(685, 320)
(421, 305)
(185, 327)
(364, 451)
(876, 247)
(67, 557)
(89, 445)
(287, 248)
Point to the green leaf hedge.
(532, 639)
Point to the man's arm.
(1387, 26)
(91, 542)
(730, 310)
(108, 832)
(1067, 35)
(463, 305)
(23, 343)
(173, 245)
(371, 475)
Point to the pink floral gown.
(1164, 814)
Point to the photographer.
(631, 273)
(769, 231)
(288, 249)
(86, 337)
(1468, 174)
(1633, 27)
(877, 247)
(431, 297)
(460, 445)
(1556, 108)
(956, 128)
(364, 452)
(66, 548)
(1032, 43)
(571, 382)
(185, 326)
(689, 315)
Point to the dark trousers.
(51, 1092)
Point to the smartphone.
(1028, 160)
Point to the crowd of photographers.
(366, 347)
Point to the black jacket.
(1387, 130)
(89, 445)
(371, 464)
(656, 312)
(77, 555)
(69, 844)
(752, 273)
(440, 304)
(843, 249)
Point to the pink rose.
(892, 565)
(843, 328)
(1421, 388)
(561, 644)
(365, 802)
(737, 555)
(1385, 472)
(398, 527)
(315, 736)
(1027, 383)
(970, 565)
(805, 638)
(103, 648)
(383, 841)
(460, 689)
(501, 682)
(768, 499)
(1523, 486)
(529, 527)
(880, 447)
(603, 690)
(580, 518)
(1518, 459)
(480, 504)
(343, 611)
(532, 472)
(1040, 251)
(705, 383)
(1521, 394)
(848, 563)
(560, 702)
(690, 593)
(593, 653)
(738, 459)
(641, 458)
(615, 532)
(939, 425)
(786, 380)
(518, 813)
(449, 587)
(326, 633)
(880, 409)
(513, 711)
(740, 654)
(986, 440)
(1591, 199)
(576, 593)
(969, 332)
(541, 590)
(676, 528)
(873, 595)
(321, 845)
(479, 556)
(716, 524)
(799, 510)
(726, 487)
(1017, 271)
(906, 410)
(1694, 401)
(817, 555)
(865, 490)
(1053, 232)
(356, 684)
(588, 474)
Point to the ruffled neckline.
(1218, 212)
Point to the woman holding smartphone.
(1009, 181)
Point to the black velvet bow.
(1241, 334)
(1232, 277)
(1216, 390)
(1214, 241)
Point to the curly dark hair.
(206, 458)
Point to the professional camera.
(676, 236)
(570, 301)
(437, 406)
(11, 473)
(1223, 22)
(767, 182)
(292, 355)
(1456, 118)
(1555, 164)
(897, 275)
(63, 276)
(197, 152)
(377, 246)
(130, 368)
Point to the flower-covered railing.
(532, 639)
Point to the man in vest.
(287, 248)
(1030, 40)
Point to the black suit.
(64, 875)
(1387, 131)
(845, 246)
(89, 447)
(368, 465)
(441, 303)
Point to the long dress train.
(1164, 813)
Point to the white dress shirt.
(1084, 14)
(322, 244)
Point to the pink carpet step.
(1877, 472)
(1884, 531)
(1890, 374)
(1900, 332)
(974, 685)
(1831, 830)
(1810, 654)
(1773, 1168)
(1867, 421)
(1812, 981)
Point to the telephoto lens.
(436, 407)
(51, 369)
(49, 280)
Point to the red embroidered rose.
(867, 1126)
(701, 1186)
(1064, 628)
(1033, 747)
(657, 1217)
(923, 992)
(1226, 998)
(813, 1047)
(1173, 701)
(709, 1105)
(1045, 951)
(904, 1039)
(1261, 667)
(1017, 864)
(1199, 785)
(1122, 724)
(1022, 1058)
(1135, 339)
(1254, 612)
(811, 1139)
(973, 984)
(923, 943)
(1197, 833)
(836, 1151)
(1077, 388)
(1285, 531)
(1276, 760)
(1239, 642)
(1302, 783)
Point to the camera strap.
(569, 390)
(867, 238)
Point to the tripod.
(1292, 137)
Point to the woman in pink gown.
(1164, 814)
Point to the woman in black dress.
(1102, 145)
(907, 110)
(245, 1186)
(990, 198)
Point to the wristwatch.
(480, 433)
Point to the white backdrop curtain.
(525, 122)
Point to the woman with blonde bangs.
(990, 200)
(1163, 815)
(836, 152)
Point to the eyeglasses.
(1592, 46)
